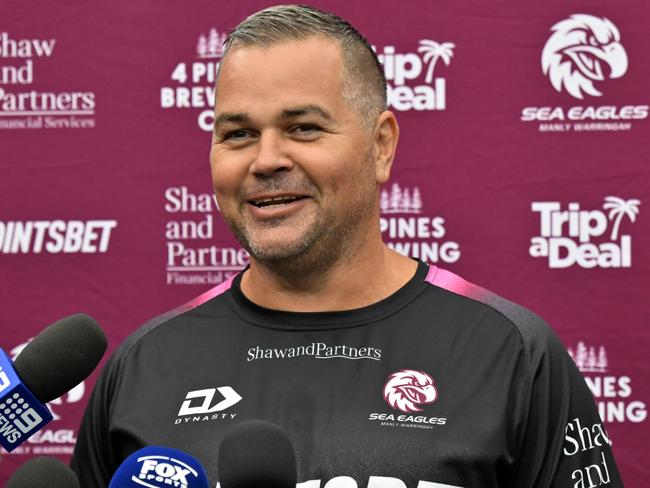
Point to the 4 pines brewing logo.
(613, 392)
(26, 106)
(567, 236)
(192, 82)
(409, 231)
(583, 55)
(410, 76)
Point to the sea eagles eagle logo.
(407, 389)
(581, 50)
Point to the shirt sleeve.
(564, 443)
(93, 459)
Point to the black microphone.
(55, 361)
(255, 454)
(43, 471)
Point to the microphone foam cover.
(43, 471)
(255, 454)
(61, 356)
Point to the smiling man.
(386, 372)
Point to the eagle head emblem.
(583, 49)
(407, 389)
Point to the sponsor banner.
(411, 82)
(584, 238)
(192, 82)
(25, 100)
(409, 230)
(583, 55)
(193, 258)
(613, 392)
(56, 236)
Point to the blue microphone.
(59, 358)
(158, 466)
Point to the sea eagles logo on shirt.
(407, 389)
(583, 49)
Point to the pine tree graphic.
(401, 200)
(587, 360)
(602, 360)
(202, 46)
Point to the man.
(385, 372)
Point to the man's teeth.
(275, 201)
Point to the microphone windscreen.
(61, 356)
(159, 466)
(255, 454)
(43, 471)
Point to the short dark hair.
(364, 83)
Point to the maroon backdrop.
(523, 166)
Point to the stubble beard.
(328, 239)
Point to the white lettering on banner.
(187, 263)
(373, 482)
(419, 237)
(612, 393)
(582, 51)
(36, 109)
(582, 226)
(57, 236)
(401, 69)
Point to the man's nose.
(271, 156)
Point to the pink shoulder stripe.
(454, 283)
(208, 295)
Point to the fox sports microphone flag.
(159, 467)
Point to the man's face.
(292, 163)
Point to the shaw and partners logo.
(317, 350)
(410, 76)
(198, 405)
(580, 56)
(566, 235)
(408, 391)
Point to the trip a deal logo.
(586, 238)
(583, 58)
(408, 392)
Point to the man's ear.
(385, 138)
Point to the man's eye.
(305, 130)
(236, 135)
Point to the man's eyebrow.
(230, 117)
(305, 110)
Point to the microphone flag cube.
(21, 413)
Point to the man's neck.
(347, 284)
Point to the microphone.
(159, 466)
(43, 471)
(255, 454)
(55, 361)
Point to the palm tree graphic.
(432, 51)
(618, 208)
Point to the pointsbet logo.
(55, 236)
(410, 76)
(581, 57)
(587, 238)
